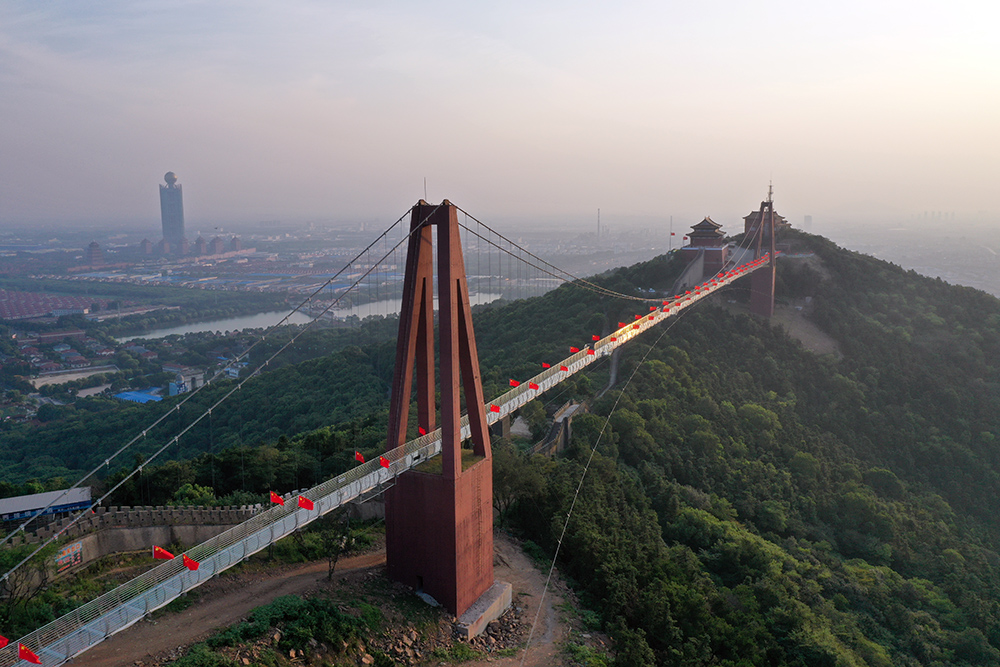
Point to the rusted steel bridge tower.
(762, 280)
(439, 525)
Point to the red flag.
(305, 503)
(25, 653)
(563, 368)
(574, 349)
(666, 309)
(190, 563)
(545, 365)
(665, 302)
(590, 352)
(532, 385)
(3, 641)
(494, 408)
(614, 338)
(673, 233)
(638, 317)
(421, 430)
(621, 325)
(358, 457)
(275, 498)
(162, 554)
(651, 317)
(383, 461)
(685, 238)
(652, 308)
(595, 337)
(635, 326)
(515, 383)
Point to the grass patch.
(585, 655)
(456, 653)
(434, 466)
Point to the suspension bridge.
(459, 582)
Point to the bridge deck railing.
(91, 623)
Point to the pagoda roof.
(752, 218)
(707, 227)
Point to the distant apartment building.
(93, 255)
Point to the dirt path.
(223, 601)
(228, 599)
(512, 565)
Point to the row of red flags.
(23, 652)
(621, 325)
(160, 553)
(590, 351)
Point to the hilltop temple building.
(707, 236)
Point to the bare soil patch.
(416, 633)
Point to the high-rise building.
(172, 211)
(92, 255)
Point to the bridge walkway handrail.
(91, 623)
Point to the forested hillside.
(749, 503)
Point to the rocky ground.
(414, 633)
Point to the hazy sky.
(514, 110)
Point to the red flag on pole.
(275, 498)
(3, 641)
(621, 325)
(515, 383)
(532, 385)
(190, 563)
(494, 408)
(563, 368)
(595, 337)
(635, 326)
(545, 365)
(25, 653)
(614, 338)
(421, 430)
(590, 352)
(358, 457)
(652, 308)
(162, 554)
(651, 317)
(638, 317)
(383, 461)
(305, 503)
(574, 349)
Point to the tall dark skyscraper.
(172, 211)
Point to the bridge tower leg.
(439, 526)
(762, 280)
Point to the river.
(264, 320)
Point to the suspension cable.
(556, 272)
(239, 386)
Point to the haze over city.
(517, 111)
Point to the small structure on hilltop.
(707, 237)
(750, 222)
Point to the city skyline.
(308, 111)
